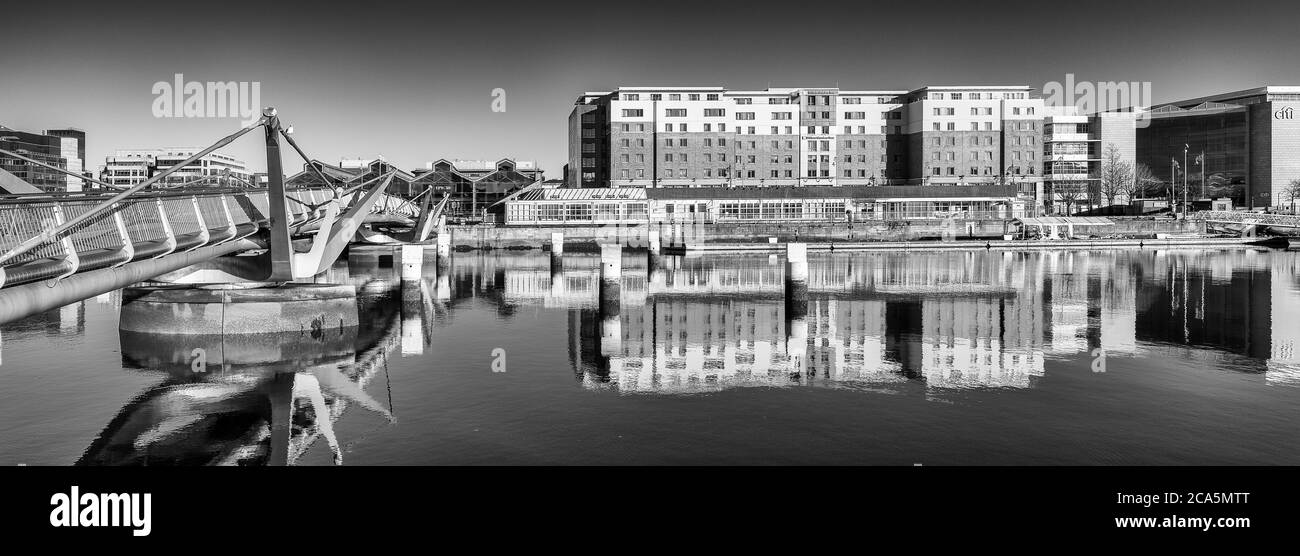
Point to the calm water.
(932, 358)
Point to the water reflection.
(947, 320)
(871, 322)
(265, 399)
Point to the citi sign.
(1287, 113)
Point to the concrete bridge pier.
(796, 274)
(207, 309)
(611, 273)
(796, 302)
(557, 252)
(412, 260)
(415, 313)
(655, 249)
(611, 325)
(444, 250)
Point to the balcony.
(1067, 137)
(1069, 177)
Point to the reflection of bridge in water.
(265, 399)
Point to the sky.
(415, 83)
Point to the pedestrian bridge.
(1245, 218)
(58, 248)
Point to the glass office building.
(1220, 131)
(1250, 139)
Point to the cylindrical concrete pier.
(316, 309)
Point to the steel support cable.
(362, 185)
(34, 242)
(326, 181)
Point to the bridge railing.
(146, 225)
(1250, 218)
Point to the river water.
(957, 358)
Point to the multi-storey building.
(44, 148)
(72, 148)
(962, 135)
(131, 167)
(1070, 159)
(709, 136)
(589, 128)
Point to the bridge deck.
(1252, 218)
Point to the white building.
(130, 167)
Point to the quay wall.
(677, 234)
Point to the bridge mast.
(280, 246)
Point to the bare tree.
(1293, 191)
(1070, 196)
(1144, 181)
(1116, 175)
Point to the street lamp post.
(1173, 177)
(1200, 160)
(1185, 149)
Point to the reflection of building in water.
(695, 344)
(949, 319)
(1065, 294)
(975, 342)
(1284, 363)
(1187, 302)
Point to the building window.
(632, 113)
(675, 113)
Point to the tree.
(1070, 196)
(1293, 191)
(1116, 175)
(1144, 181)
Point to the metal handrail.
(36, 241)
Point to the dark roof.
(829, 192)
